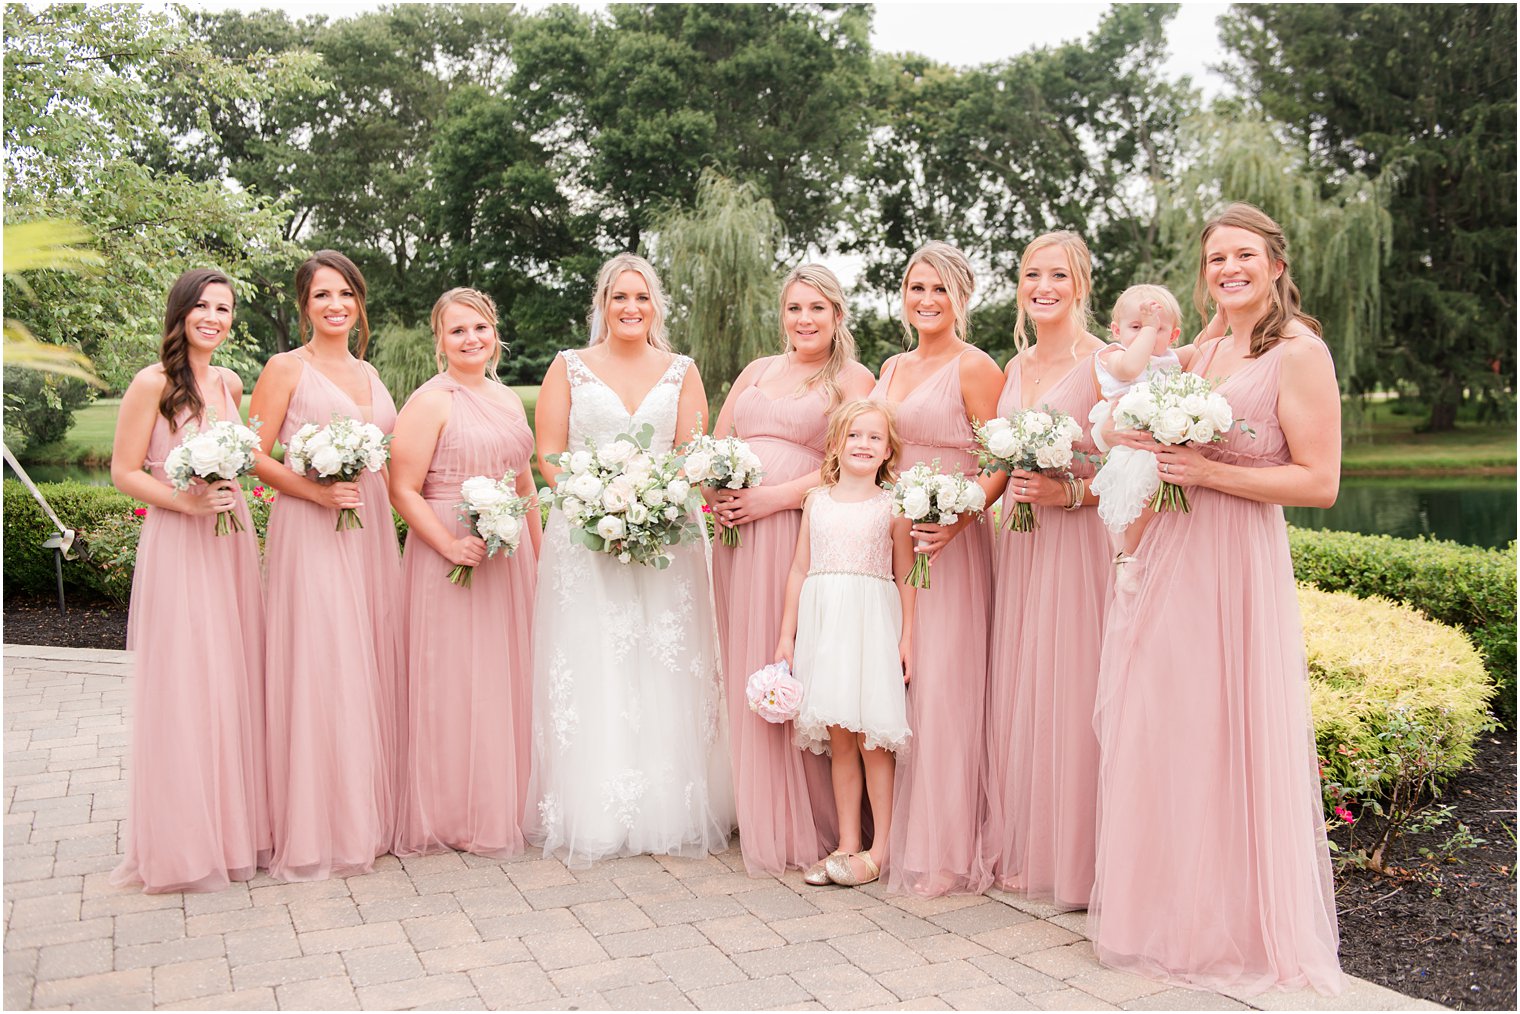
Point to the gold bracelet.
(1077, 494)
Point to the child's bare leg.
(1131, 539)
(848, 784)
(880, 767)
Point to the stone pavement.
(461, 932)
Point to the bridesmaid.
(1212, 867)
(197, 814)
(469, 677)
(1052, 589)
(937, 388)
(780, 405)
(333, 645)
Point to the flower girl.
(847, 633)
(1146, 322)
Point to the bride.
(630, 745)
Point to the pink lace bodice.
(850, 538)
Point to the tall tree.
(718, 261)
(84, 92)
(1425, 94)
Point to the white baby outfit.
(1128, 478)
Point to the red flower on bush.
(141, 512)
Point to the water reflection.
(1477, 512)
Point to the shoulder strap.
(578, 372)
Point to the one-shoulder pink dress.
(784, 797)
(197, 814)
(468, 663)
(1212, 867)
(1052, 589)
(333, 655)
(937, 798)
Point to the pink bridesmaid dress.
(1212, 867)
(784, 797)
(1053, 586)
(937, 798)
(469, 671)
(334, 661)
(197, 816)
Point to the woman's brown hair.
(1285, 301)
(180, 392)
(351, 274)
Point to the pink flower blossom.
(141, 512)
(1345, 814)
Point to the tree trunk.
(1444, 402)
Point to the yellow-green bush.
(1393, 694)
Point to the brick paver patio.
(461, 932)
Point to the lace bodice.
(1112, 386)
(598, 414)
(850, 538)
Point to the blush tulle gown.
(469, 672)
(198, 815)
(334, 661)
(1212, 867)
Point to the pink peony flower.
(774, 693)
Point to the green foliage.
(28, 566)
(1398, 701)
(85, 90)
(40, 406)
(718, 263)
(1423, 95)
(404, 358)
(1340, 236)
(1463, 586)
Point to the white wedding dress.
(630, 740)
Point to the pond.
(1477, 511)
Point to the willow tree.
(1340, 234)
(718, 262)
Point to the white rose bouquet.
(725, 463)
(1175, 407)
(623, 500)
(339, 452)
(1034, 440)
(494, 512)
(223, 450)
(925, 494)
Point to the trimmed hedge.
(28, 566)
(1377, 666)
(1464, 586)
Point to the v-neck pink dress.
(197, 815)
(334, 661)
(1052, 589)
(784, 798)
(937, 798)
(469, 717)
(1212, 867)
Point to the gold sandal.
(818, 873)
(839, 870)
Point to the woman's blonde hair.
(475, 300)
(1138, 294)
(839, 426)
(602, 298)
(955, 274)
(842, 349)
(1078, 261)
(1285, 308)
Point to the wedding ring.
(1167, 469)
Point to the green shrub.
(28, 566)
(1464, 586)
(1398, 701)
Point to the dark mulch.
(89, 623)
(1443, 930)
